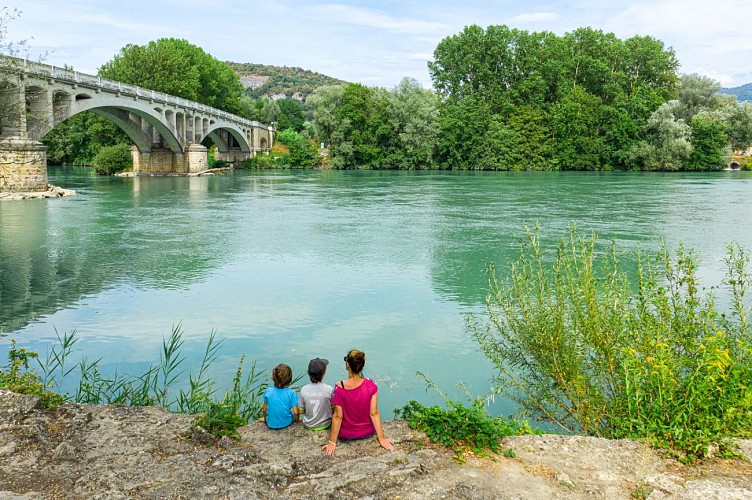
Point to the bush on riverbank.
(113, 159)
(583, 344)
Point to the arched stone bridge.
(167, 131)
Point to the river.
(290, 265)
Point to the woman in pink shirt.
(355, 407)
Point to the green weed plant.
(459, 426)
(19, 378)
(590, 347)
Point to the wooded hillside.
(742, 93)
(261, 80)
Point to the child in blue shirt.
(280, 402)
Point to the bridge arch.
(214, 131)
(131, 118)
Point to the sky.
(369, 42)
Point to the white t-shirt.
(316, 401)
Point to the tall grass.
(156, 386)
(583, 343)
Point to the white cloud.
(372, 18)
(534, 17)
(723, 79)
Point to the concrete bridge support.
(165, 161)
(23, 165)
(232, 155)
(23, 161)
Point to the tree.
(350, 119)
(412, 113)
(326, 124)
(176, 67)
(579, 143)
(667, 143)
(591, 93)
(301, 152)
(533, 147)
(697, 93)
(709, 142)
(290, 114)
(739, 125)
(463, 124)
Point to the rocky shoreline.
(51, 192)
(83, 451)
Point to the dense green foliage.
(301, 151)
(286, 113)
(78, 139)
(367, 127)
(113, 159)
(281, 80)
(509, 99)
(586, 345)
(588, 95)
(290, 116)
(178, 68)
(461, 427)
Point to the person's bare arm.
(330, 447)
(376, 420)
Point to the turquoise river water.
(289, 265)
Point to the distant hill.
(261, 80)
(742, 93)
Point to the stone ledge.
(52, 192)
(80, 451)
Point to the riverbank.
(84, 451)
(51, 192)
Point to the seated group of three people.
(349, 409)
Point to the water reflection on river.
(291, 265)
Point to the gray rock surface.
(82, 451)
(51, 192)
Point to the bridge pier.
(232, 155)
(165, 161)
(23, 165)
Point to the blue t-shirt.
(279, 405)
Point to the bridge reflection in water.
(55, 253)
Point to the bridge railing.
(93, 81)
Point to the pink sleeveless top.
(356, 409)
